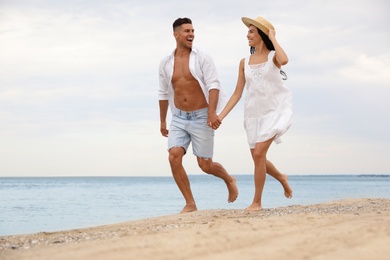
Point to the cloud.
(366, 69)
(78, 84)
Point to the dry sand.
(347, 229)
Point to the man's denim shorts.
(187, 126)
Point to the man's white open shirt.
(202, 69)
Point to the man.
(190, 87)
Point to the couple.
(189, 85)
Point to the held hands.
(214, 121)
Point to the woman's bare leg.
(259, 155)
(282, 178)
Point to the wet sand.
(346, 229)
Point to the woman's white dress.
(268, 104)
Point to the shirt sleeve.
(163, 81)
(210, 75)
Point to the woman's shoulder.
(245, 60)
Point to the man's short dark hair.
(179, 21)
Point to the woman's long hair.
(269, 46)
(266, 41)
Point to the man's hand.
(213, 121)
(163, 129)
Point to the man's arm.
(212, 82)
(163, 117)
(213, 120)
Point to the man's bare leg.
(282, 178)
(216, 169)
(179, 174)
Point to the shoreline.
(358, 228)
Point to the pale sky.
(79, 79)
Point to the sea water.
(38, 204)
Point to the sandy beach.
(347, 229)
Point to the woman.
(267, 109)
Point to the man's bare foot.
(233, 190)
(189, 208)
(287, 189)
(254, 207)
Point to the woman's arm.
(280, 58)
(237, 92)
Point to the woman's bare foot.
(233, 190)
(189, 208)
(254, 207)
(287, 189)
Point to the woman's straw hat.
(260, 23)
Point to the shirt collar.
(193, 49)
